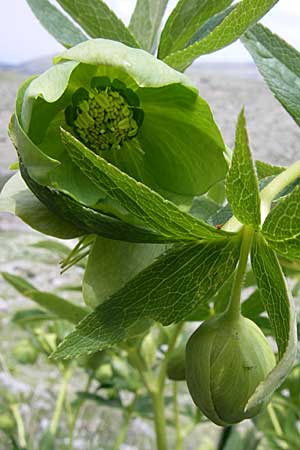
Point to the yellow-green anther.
(105, 120)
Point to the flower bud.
(176, 364)
(226, 359)
(25, 353)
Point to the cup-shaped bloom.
(226, 359)
(126, 106)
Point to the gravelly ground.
(274, 138)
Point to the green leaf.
(241, 182)
(98, 20)
(187, 17)
(31, 316)
(210, 25)
(246, 14)
(203, 208)
(59, 306)
(265, 170)
(279, 306)
(166, 291)
(149, 207)
(282, 226)
(111, 264)
(15, 198)
(55, 247)
(56, 23)
(146, 20)
(279, 64)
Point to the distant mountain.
(34, 66)
(243, 69)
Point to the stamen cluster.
(102, 118)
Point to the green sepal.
(17, 199)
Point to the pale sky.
(22, 37)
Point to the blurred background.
(22, 38)
(228, 80)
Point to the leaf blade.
(146, 20)
(246, 14)
(187, 17)
(279, 306)
(149, 207)
(56, 23)
(165, 291)
(98, 20)
(59, 306)
(241, 182)
(279, 64)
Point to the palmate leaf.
(246, 14)
(62, 308)
(282, 226)
(241, 182)
(279, 64)
(98, 20)
(56, 23)
(279, 306)
(166, 291)
(150, 208)
(187, 17)
(146, 20)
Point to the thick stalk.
(234, 309)
(225, 434)
(60, 400)
(158, 402)
(20, 425)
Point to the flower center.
(106, 116)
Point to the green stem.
(126, 422)
(75, 416)
(158, 395)
(225, 435)
(179, 436)
(60, 400)
(20, 425)
(234, 309)
(268, 194)
(274, 188)
(158, 402)
(274, 419)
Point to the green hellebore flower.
(126, 106)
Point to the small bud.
(25, 353)
(176, 364)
